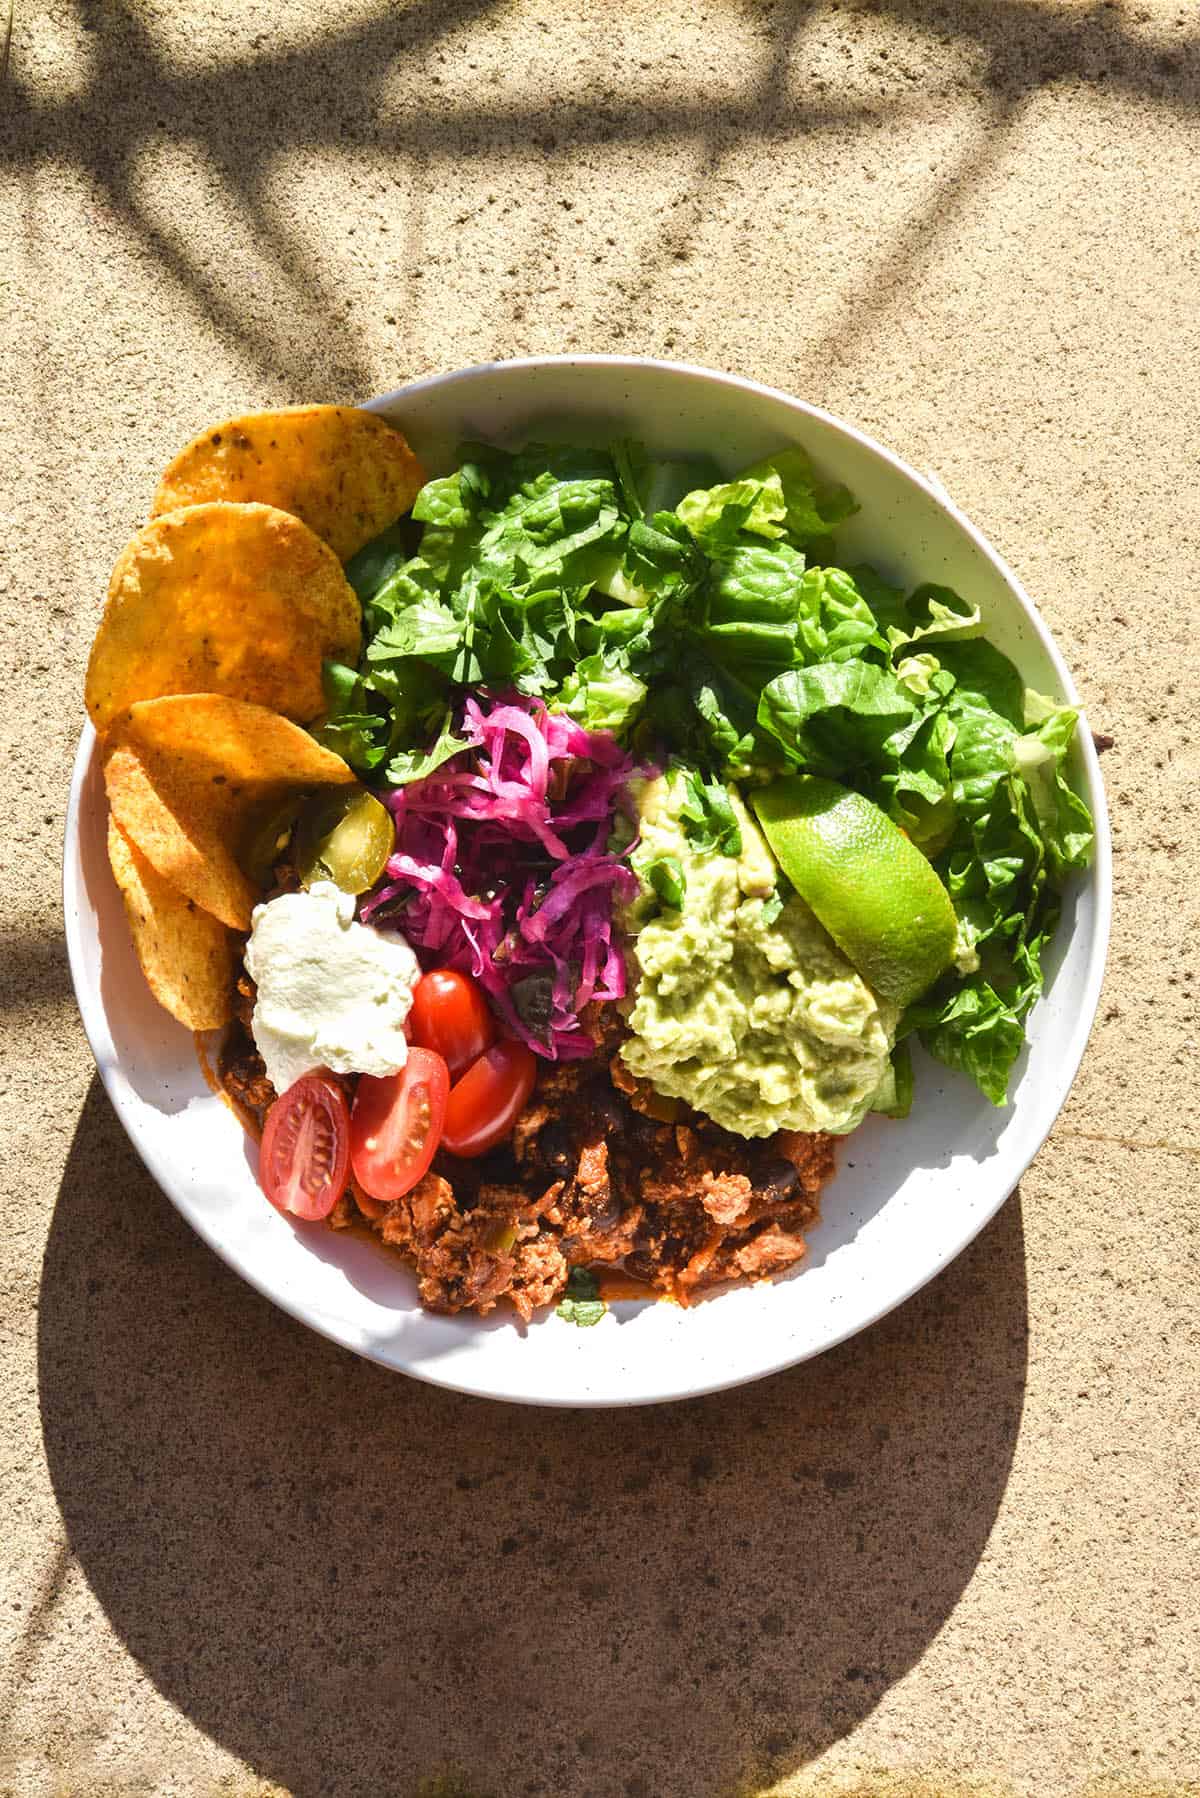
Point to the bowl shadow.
(357, 1583)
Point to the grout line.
(1131, 1142)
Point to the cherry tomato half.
(485, 1104)
(396, 1125)
(304, 1160)
(450, 1014)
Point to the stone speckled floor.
(956, 1556)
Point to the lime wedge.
(873, 891)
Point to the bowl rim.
(1098, 876)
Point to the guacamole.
(743, 1007)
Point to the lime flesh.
(873, 891)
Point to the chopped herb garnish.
(708, 817)
(581, 1303)
(665, 875)
(772, 906)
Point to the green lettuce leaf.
(661, 558)
(602, 695)
(379, 559)
(835, 623)
(510, 551)
(810, 512)
(751, 583)
(415, 764)
(923, 676)
(703, 713)
(719, 515)
(895, 1095)
(352, 728)
(885, 602)
(971, 1028)
(750, 610)
(936, 612)
(663, 483)
(833, 717)
(1063, 818)
(366, 720)
(447, 502)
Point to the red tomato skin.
(304, 1157)
(489, 1098)
(396, 1125)
(450, 1015)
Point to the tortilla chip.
(186, 954)
(243, 600)
(190, 777)
(347, 473)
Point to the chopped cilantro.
(665, 875)
(772, 906)
(708, 818)
(581, 1303)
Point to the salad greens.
(712, 620)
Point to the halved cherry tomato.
(396, 1125)
(451, 1015)
(485, 1104)
(304, 1160)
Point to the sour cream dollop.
(331, 993)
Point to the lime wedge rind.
(872, 890)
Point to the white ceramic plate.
(907, 1197)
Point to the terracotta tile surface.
(955, 1557)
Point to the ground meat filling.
(598, 1173)
(589, 1181)
(243, 1073)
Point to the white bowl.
(907, 1197)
